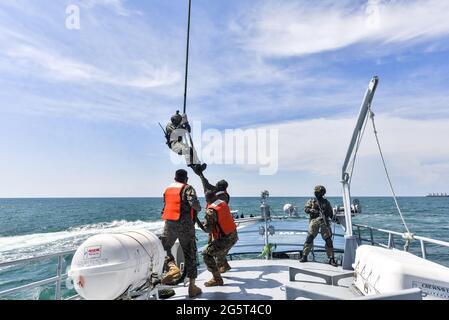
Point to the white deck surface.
(266, 280)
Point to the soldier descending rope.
(177, 131)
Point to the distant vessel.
(437, 195)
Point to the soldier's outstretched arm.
(206, 185)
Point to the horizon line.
(200, 196)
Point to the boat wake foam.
(38, 244)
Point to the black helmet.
(222, 185)
(320, 190)
(176, 118)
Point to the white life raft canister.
(105, 266)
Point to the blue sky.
(79, 108)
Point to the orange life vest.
(226, 224)
(172, 199)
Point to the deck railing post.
(59, 281)
(371, 235)
(390, 241)
(423, 249)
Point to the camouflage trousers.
(216, 251)
(184, 230)
(183, 149)
(316, 226)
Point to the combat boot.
(193, 289)
(332, 262)
(173, 273)
(198, 168)
(303, 259)
(226, 267)
(216, 281)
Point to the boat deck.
(270, 280)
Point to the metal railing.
(391, 239)
(293, 244)
(61, 276)
(56, 280)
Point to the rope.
(408, 236)
(186, 79)
(187, 58)
(359, 140)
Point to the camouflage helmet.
(320, 190)
(176, 118)
(222, 185)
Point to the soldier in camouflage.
(175, 133)
(320, 212)
(184, 230)
(215, 253)
(220, 190)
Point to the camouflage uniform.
(184, 230)
(317, 224)
(175, 136)
(216, 251)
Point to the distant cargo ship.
(437, 195)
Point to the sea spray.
(38, 244)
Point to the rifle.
(166, 135)
(322, 215)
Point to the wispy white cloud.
(312, 151)
(294, 28)
(264, 67)
(92, 73)
(415, 149)
(228, 79)
(58, 67)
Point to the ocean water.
(35, 227)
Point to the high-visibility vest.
(226, 224)
(173, 199)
